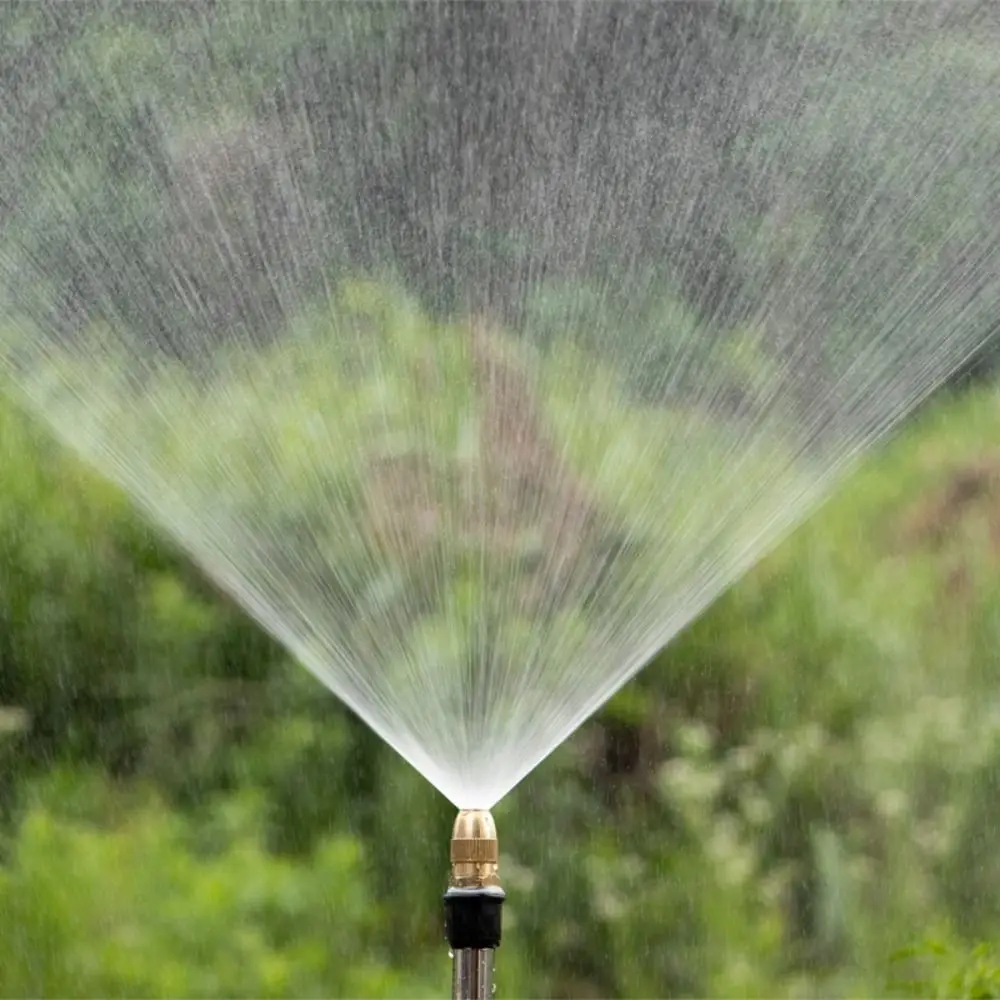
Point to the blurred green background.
(803, 783)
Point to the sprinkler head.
(475, 853)
(473, 904)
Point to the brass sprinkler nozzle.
(475, 853)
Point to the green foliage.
(135, 909)
(946, 972)
(799, 784)
(321, 430)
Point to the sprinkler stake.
(472, 904)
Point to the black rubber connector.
(472, 917)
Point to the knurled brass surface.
(475, 851)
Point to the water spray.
(473, 904)
(705, 280)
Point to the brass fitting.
(475, 853)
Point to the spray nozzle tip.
(475, 851)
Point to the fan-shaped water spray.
(476, 348)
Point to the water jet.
(717, 270)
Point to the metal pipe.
(472, 904)
(472, 974)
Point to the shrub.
(131, 907)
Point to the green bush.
(101, 621)
(133, 908)
(948, 972)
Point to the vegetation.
(336, 470)
(798, 787)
